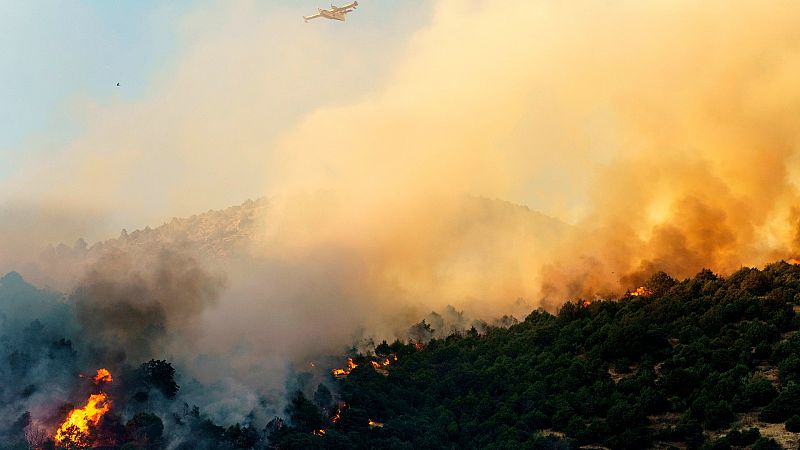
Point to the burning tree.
(79, 426)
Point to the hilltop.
(214, 233)
(242, 231)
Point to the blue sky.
(54, 53)
(55, 50)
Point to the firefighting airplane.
(335, 13)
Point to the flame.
(342, 373)
(381, 364)
(339, 408)
(419, 345)
(641, 291)
(75, 430)
(373, 424)
(319, 432)
(793, 261)
(103, 376)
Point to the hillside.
(708, 362)
(688, 364)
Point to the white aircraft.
(335, 13)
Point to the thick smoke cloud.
(664, 131)
(135, 302)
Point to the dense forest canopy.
(684, 364)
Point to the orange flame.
(75, 430)
(342, 373)
(373, 424)
(641, 291)
(793, 261)
(103, 376)
(339, 408)
(382, 366)
(319, 432)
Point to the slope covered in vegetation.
(696, 363)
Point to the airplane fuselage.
(334, 15)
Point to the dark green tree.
(160, 375)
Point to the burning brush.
(80, 422)
(344, 372)
(641, 291)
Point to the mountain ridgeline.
(708, 362)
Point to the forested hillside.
(708, 362)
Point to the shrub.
(741, 438)
(793, 424)
(767, 444)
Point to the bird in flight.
(117, 84)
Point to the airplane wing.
(346, 8)
(313, 16)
